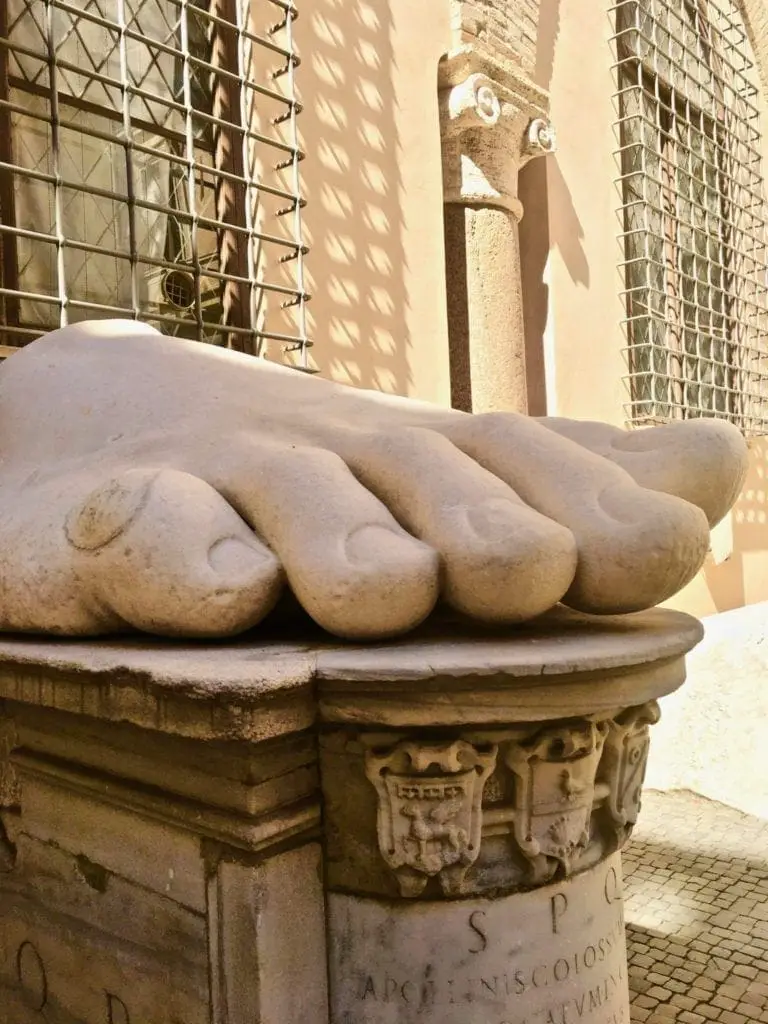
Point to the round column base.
(477, 793)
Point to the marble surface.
(252, 688)
(555, 955)
(182, 489)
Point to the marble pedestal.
(164, 858)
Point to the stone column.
(477, 795)
(493, 121)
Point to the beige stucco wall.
(711, 737)
(373, 183)
(736, 572)
(574, 309)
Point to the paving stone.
(685, 1002)
(639, 1015)
(709, 1011)
(697, 913)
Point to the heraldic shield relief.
(429, 811)
(554, 793)
(622, 770)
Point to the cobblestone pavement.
(697, 913)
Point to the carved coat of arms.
(623, 768)
(429, 813)
(554, 793)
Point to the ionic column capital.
(493, 119)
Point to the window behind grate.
(149, 168)
(693, 214)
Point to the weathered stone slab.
(152, 854)
(555, 955)
(9, 790)
(269, 966)
(565, 663)
(81, 944)
(562, 665)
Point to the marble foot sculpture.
(175, 488)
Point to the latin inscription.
(30, 973)
(32, 981)
(552, 956)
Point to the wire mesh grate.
(692, 213)
(149, 167)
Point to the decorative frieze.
(622, 769)
(553, 800)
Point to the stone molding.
(256, 691)
(494, 119)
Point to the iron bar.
(693, 218)
(128, 185)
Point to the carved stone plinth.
(163, 857)
(477, 795)
(167, 836)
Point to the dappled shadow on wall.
(353, 220)
(743, 577)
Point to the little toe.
(352, 567)
(636, 547)
(162, 551)
(502, 561)
(704, 461)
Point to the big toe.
(165, 553)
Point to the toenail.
(374, 543)
(106, 513)
(232, 558)
(492, 520)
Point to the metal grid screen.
(693, 213)
(149, 167)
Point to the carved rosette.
(557, 798)
(429, 816)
